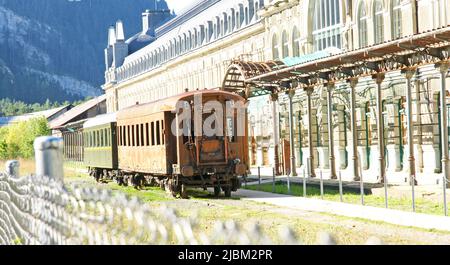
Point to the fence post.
(340, 187)
(259, 178)
(445, 195)
(413, 181)
(321, 184)
(49, 157)
(12, 168)
(361, 181)
(304, 184)
(386, 192)
(273, 177)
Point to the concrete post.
(379, 78)
(291, 95)
(12, 168)
(443, 69)
(276, 136)
(49, 157)
(409, 73)
(353, 82)
(330, 88)
(309, 92)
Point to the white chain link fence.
(37, 210)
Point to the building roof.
(48, 114)
(100, 120)
(75, 112)
(170, 104)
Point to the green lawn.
(332, 194)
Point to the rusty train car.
(163, 143)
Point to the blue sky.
(179, 5)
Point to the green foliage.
(16, 141)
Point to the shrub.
(16, 141)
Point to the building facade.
(194, 50)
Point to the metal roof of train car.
(169, 104)
(100, 120)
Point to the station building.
(198, 48)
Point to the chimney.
(111, 36)
(120, 47)
(120, 35)
(148, 22)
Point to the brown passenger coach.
(157, 145)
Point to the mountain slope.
(54, 48)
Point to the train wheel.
(227, 191)
(183, 193)
(217, 191)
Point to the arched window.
(210, 31)
(233, 20)
(362, 24)
(237, 18)
(256, 10)
(378, 21)
(295, 42)
(396, 15)
(327, 24)
(443, 12)
(285, 43)
(241, 15)
(183, 44)
(189, 41)
(246, 16)
(194, 39)
(275, 48)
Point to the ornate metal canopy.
(413, 51)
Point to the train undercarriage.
(173, 184)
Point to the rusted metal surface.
(148, 146)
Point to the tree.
(16, 141)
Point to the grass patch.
(332, 194)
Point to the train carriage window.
(158, 133)
(128, 136)
(124, 134)
(105, 140)
(133, 141)
(147, 134)
(162, 133)
(231, 129)
(153, 133)
(137, 135)
(107, 137)
(142, 135)
(119, 135)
